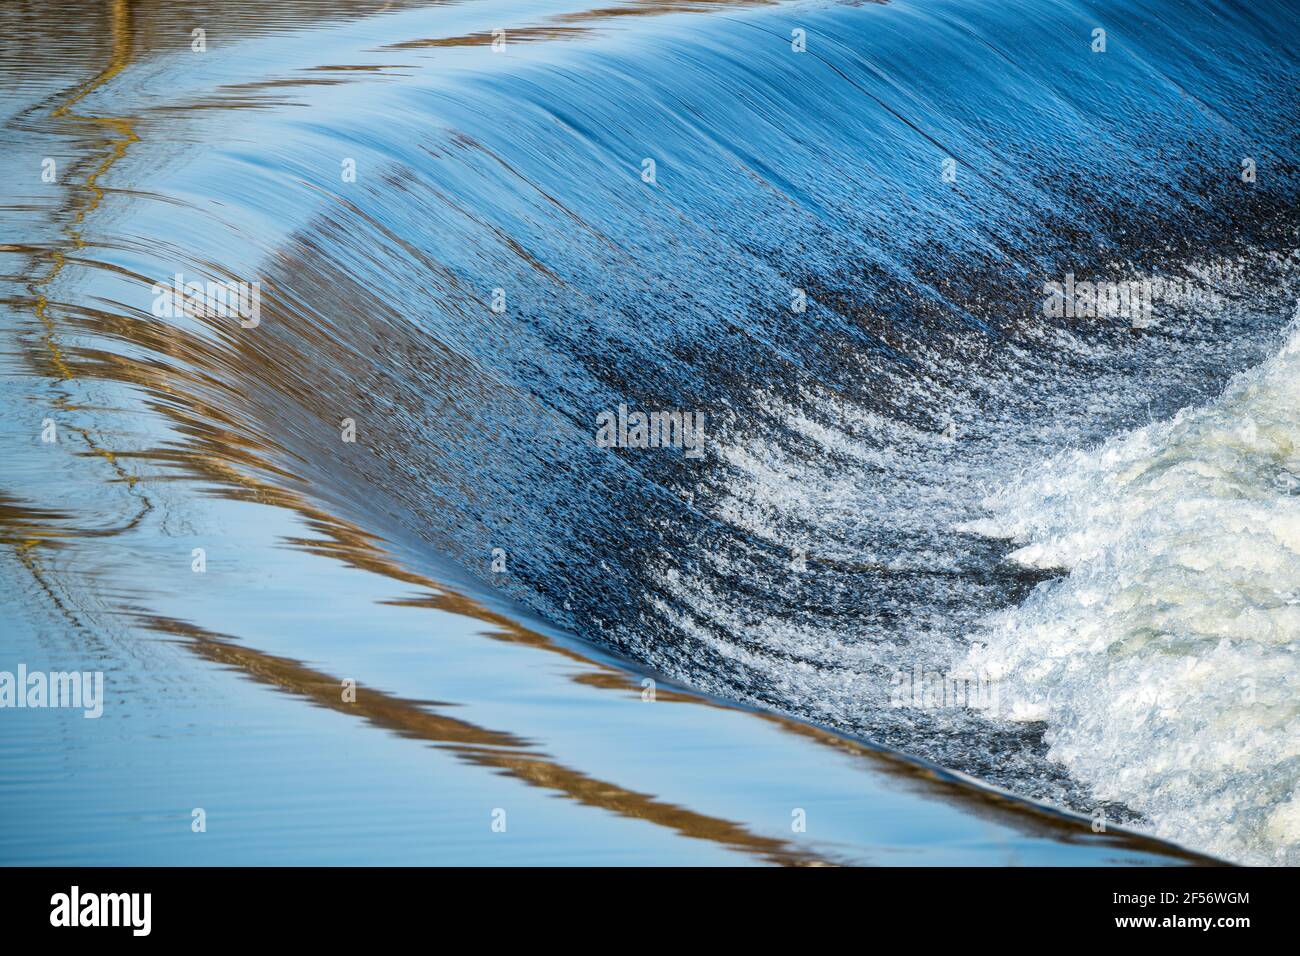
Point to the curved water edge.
(867, 345)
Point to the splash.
(1164, 663)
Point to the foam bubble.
(1166, 662)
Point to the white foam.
(1166, 662)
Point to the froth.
(1166, 662)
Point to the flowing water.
(828, 229)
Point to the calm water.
(476, 227)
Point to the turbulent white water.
(1166, 663)
(1134, 654)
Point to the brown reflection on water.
(74, 33)
(79, 34)
(495, 750)
(570, 25)
(114, 135)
